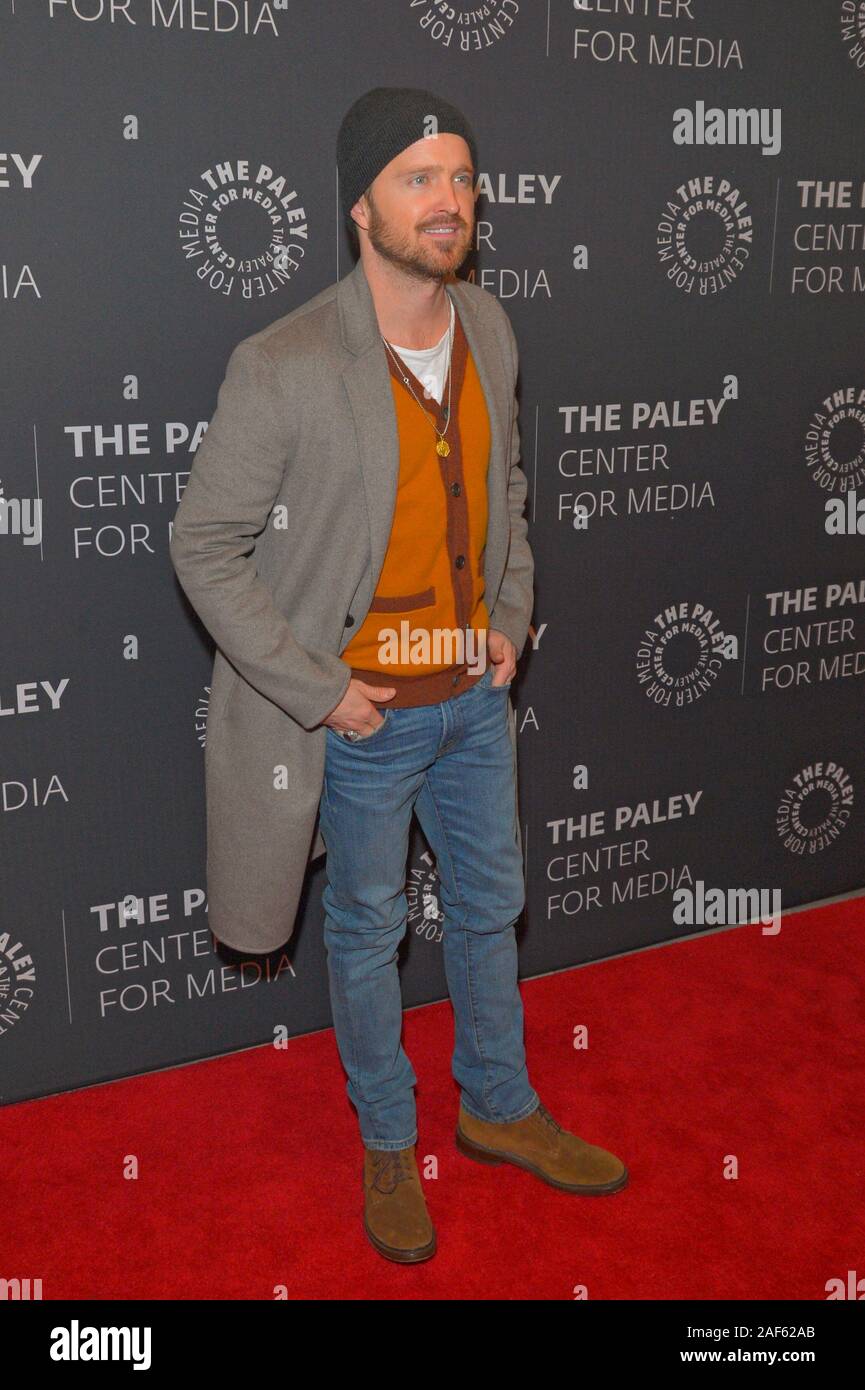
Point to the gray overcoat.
(278, 543)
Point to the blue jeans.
(453, 764)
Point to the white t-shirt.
(429, 364)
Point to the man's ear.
(359, 214)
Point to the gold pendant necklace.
(442, 446)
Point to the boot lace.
(389, 1169)
(543, 1114)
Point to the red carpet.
(735, 1044)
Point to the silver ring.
(352, 734)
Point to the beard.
(416, 254)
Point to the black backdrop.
(689, 316)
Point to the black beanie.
(380, 125)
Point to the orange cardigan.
(433, 572)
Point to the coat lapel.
(367, 382)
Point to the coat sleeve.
(235, 479)
(513, 608)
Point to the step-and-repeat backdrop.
(672, 212)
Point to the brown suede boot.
(542, 1147)
(395, 1215)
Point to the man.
(364, 660)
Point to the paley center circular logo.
(705, 235)
(853, 30)
(243, 229)
(815, 808)
(422, 893)
(202, 710)
(682, 653)
(835, 441)
(464, 26)
(17, 981)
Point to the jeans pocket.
(486, 682)
(364, 738)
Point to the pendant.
(443, 448)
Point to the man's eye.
(466, 178)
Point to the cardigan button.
(349, 622)
(460, 561)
